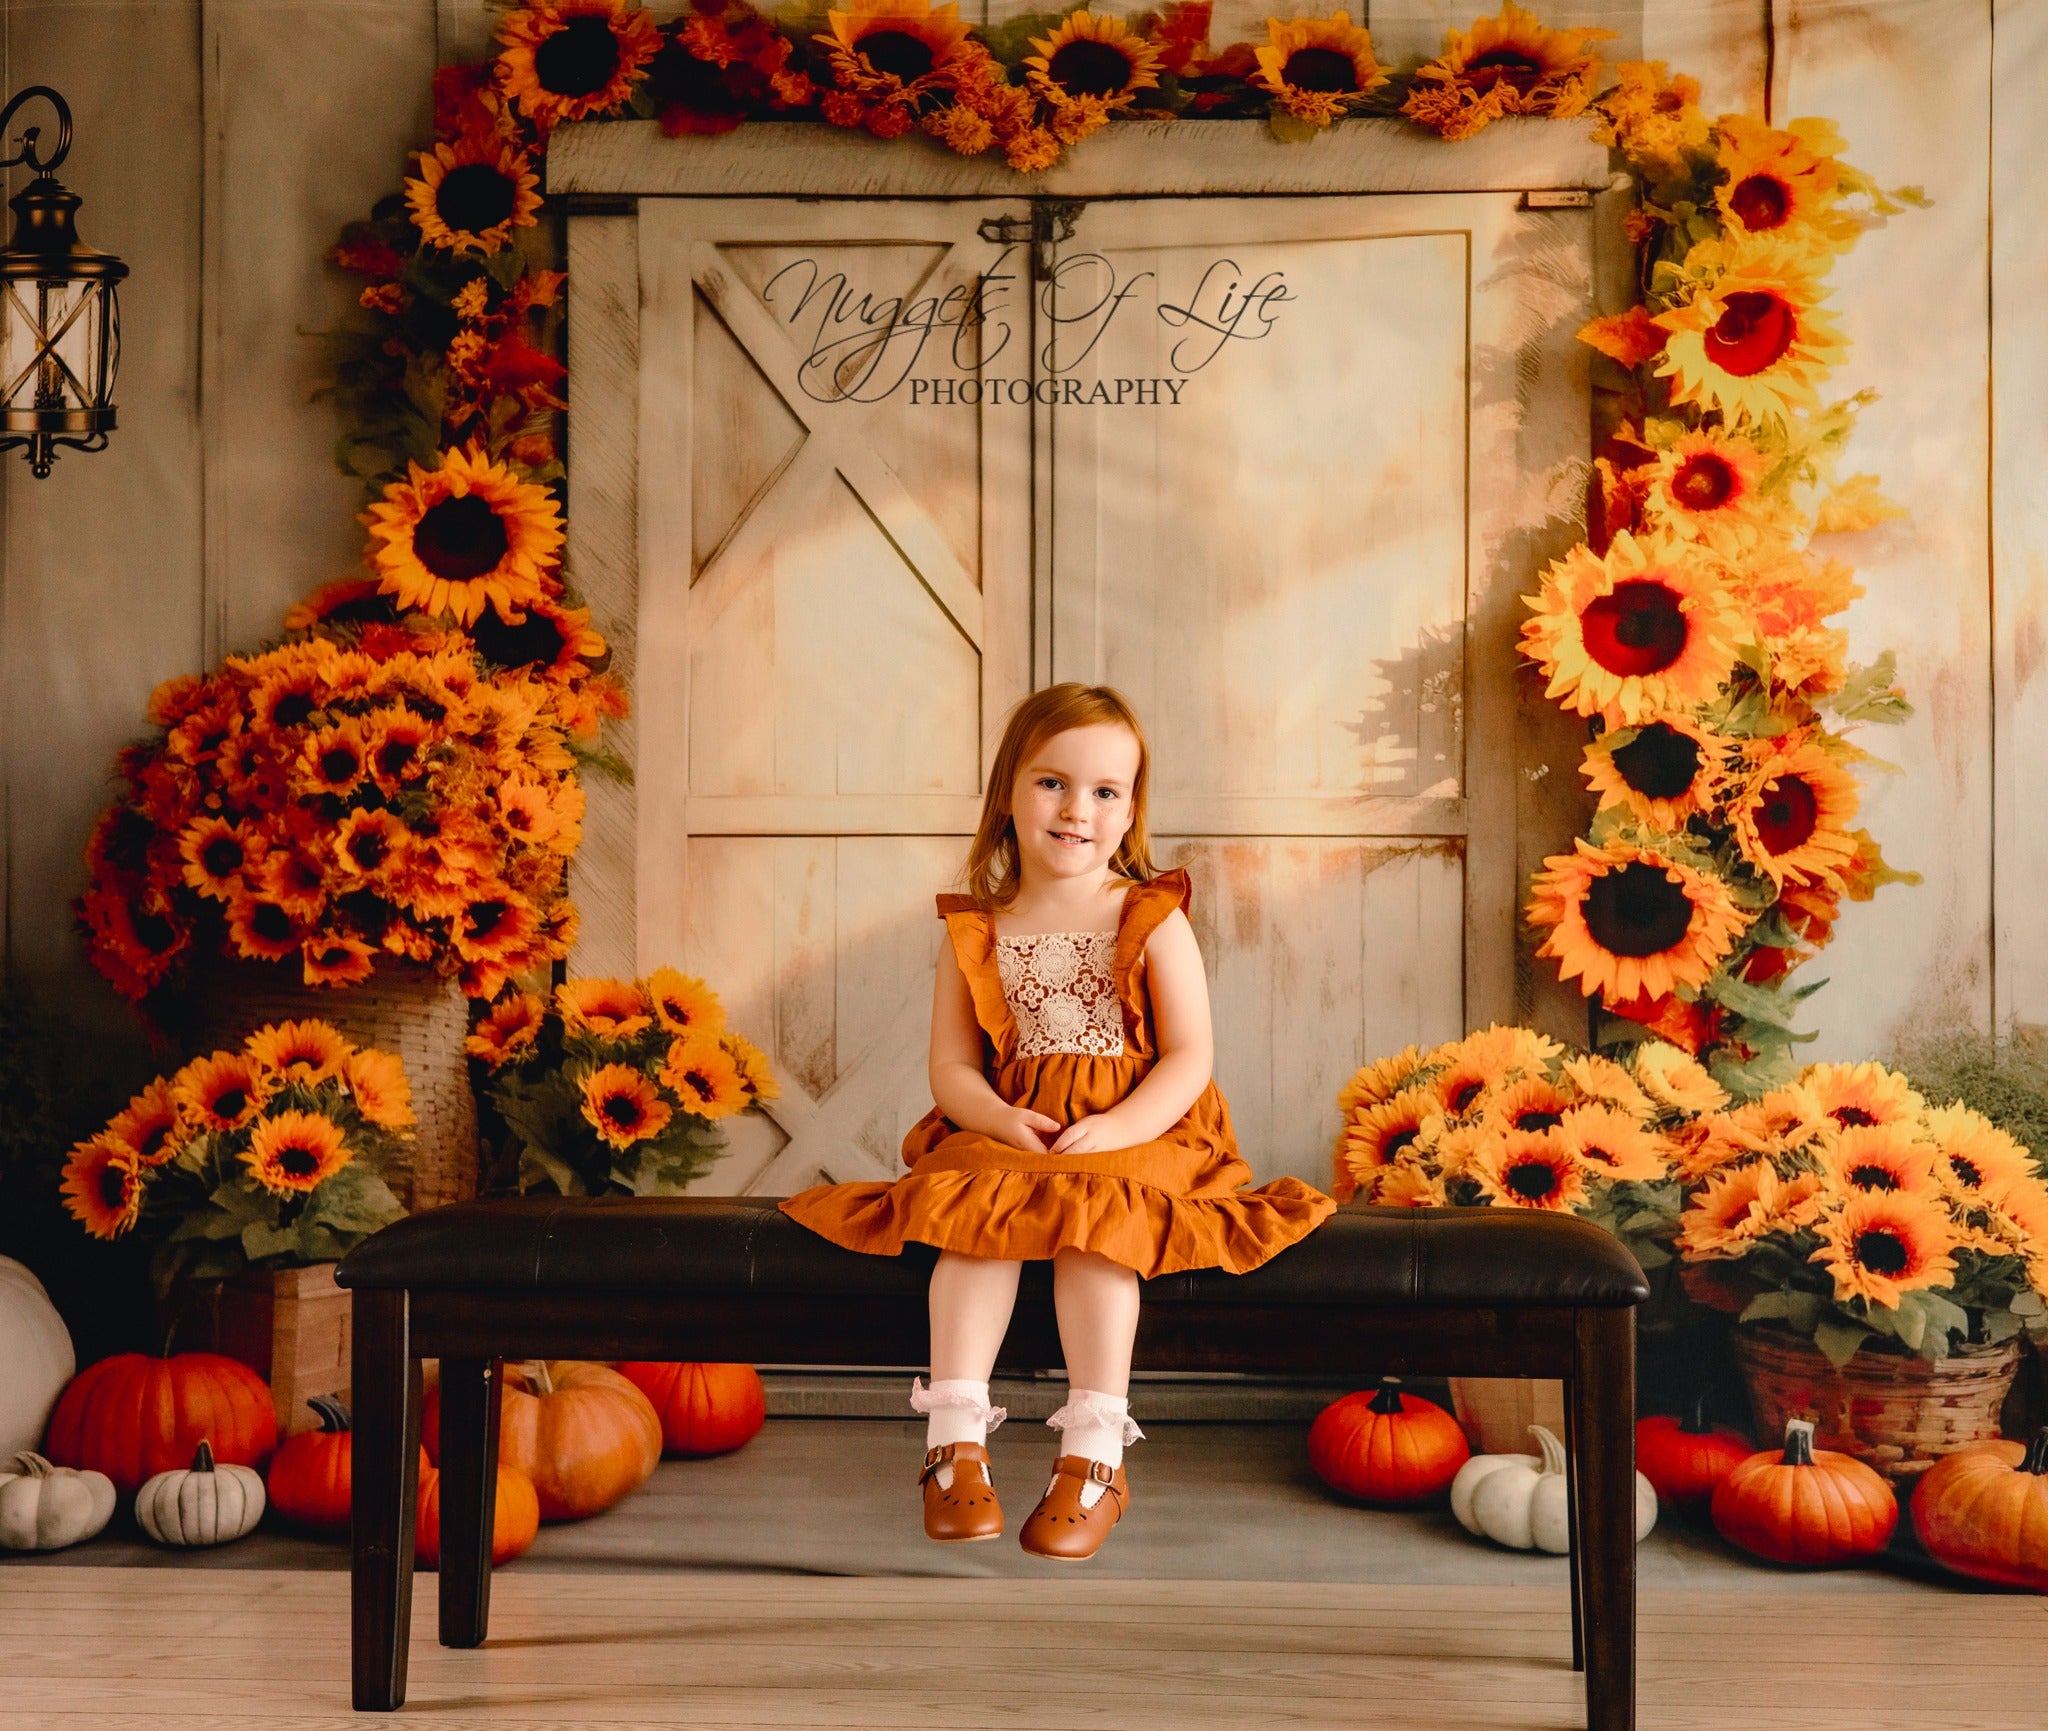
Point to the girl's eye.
(1105, 793)
(1049, 781)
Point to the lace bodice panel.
(1061, 989)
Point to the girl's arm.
(1187, 1051)
(958, 1086)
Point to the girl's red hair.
(992, 874)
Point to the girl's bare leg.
(1096, 1301)
(971, 1298)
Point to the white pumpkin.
(45, 1508)
(36, 1359)
(203, 1505)
(1519, 1500)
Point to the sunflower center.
(221, 855)
(153, 1143)
(1789, 814)
(1400, 1142)
(1463, 1095)
(1967, 1170)
(292, 709)
(486, 917)
(623, 1110)
(154, 933)
(128, 839)
(1880, 1249)
(394, 756)
(1535, 1118)
(459, 539)
(339, 763)
(1760, 202)
(1533, 1179)
(579, 59)
(1852, 1117)
(700, 1084)
(536, 641)
(1637, 629)
(474, 196)
(1321, 69)
(1660, 762)
(1868, 1177)
(271, 923)
(1753, 333)
(297, 1161)
(230, 1103)
(113, 1187)
(368, 849)
(1085, 67)
(1504, 66)
(1704, 482)
(1637, 911)
(1597, 1153)
(335, 958)
(897, 54)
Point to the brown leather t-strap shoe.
(1060, 1527)
(967, 1508)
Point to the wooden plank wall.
(221, 142)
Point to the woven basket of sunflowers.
(616, 1086)
(1884, 1257)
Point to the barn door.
(1297, 555)
(834, 617)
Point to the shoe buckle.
(1102, 1472)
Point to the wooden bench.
(1459, 1292)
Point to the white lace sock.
(1096, 1426)
(955, 1411)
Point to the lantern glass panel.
(59, 346)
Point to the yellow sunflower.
(295, 1152)
(150, 1126)
(1628, 921)
(382, 1092)
(892, 42)
(611, 1009)
(1531, 1169)
(1676, 1080)
(1792, 819)
(1874, 1157)
(508, 1030)
(464, 536)
(1784, 183)
(1509, 64)
(1379, 1080)
(756, 1076)
(1707, 486)
(470, 195)
(295, 880)
(1609, 1143)
(262, 929)
(396, 743)
(103, 1186)
(1754, 344)
(1866, 1093)
(569, 59)
(370, 845)
(288, 697)
(214, 853)
(494, 927)
(1534, 1103)
(1646, 629)
(623, 1106)
(1653, 118)
(1883, 1244)
(1665, 772)
(1731, 1210)
(1507, 1051)
(1092, 65)
(1373, 1137)
(702, 1074)
(1317, 68)
(337, 959)
(1603, 1080)
(308, 1052)
(335, 760)
(1971, 1152)
(684, 1004)
(1408, 1186)
(1464, 1085)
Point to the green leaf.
(260, 1239)
(1838, 1338)
(537, 1167)
(2029, 1303)
(1290, 129)
(1943, 1314)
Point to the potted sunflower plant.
(1884, 1259)
(616, 1087)
(256, 1168)
(1510, 1118)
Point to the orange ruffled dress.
(1071, 1036)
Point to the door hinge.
(1558, 198)
(1051, 220)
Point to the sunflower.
(1090, 66)
(1791, 821)
(1738, 1204)
(1709, 487)
(198, 738)
(684, 1004)
(263, 929)
(1609, 1143)
(382, 1093)
(1782, 183)
(1379, 1080)
(214, 853)
(370, 845)
(1603, 1080)
(222, 1091)
(703, 1075)
(465, 535)
(1526, 1169)
(294, 880)
(1664, 773)
(103, 1186)
(150, 1126)
(295, 1152)
(1675, 1080)
(508, 1030)
(1628, 921)
(1883, 1244)
(547, 638)
(395, 744)
(1463, 1086)
(1375, 1136)
(336, 959)
(1753, 345)
(1407, 1186)
(1317, 68)
(335, 760)
(897, 43)
(623, 1106)
(1877, 1157)
(308, 1052)
(1858, 1094)
(1506, 1050)
(1645, 629)
(568, 59)
(493, 927)
(1652, 118)
(1971, 1152)
(134, 946)
(525, 809)
(611, 1009)
(1508, 64)
(1534, 1103)
(756, 1076)
(177, 697)
(470, 195)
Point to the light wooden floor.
(202, 1650)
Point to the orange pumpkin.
(1805, 1505)
(1386, 1446)
(705, 1409)
(581, 1432)
(1684, 1459)
(133, 1416)
(312, 1476)
(1983, 1511)
(513, 1525)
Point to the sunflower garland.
(272, 1154)
(616, 1086)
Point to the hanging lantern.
(60, 323)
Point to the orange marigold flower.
(103, 1186)
(623, 1106)
(1653, 119)
(702, 1074)
(294, 1152)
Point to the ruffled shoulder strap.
(1145, 906)
(972, 931)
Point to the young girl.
(1075, 1118)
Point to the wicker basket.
(1894, 1411)
(406, 1008)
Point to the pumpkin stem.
(1798, 1443)
(333, 1415)
(2036, 1461)
(202, 1458)
(31, 1465)
(1552, 1449)
(1388, 1400)
(1695, 1421)
(537, 1374)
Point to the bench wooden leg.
(469, 1496)
(1574, 1560)
(1603, 1410)
(385, 1489)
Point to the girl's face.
(1072, 801)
